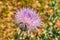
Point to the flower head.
(28, 18)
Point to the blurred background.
(48, 10)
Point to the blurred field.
(49, 12)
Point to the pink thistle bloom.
(27, 17)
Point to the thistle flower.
(27, 18)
